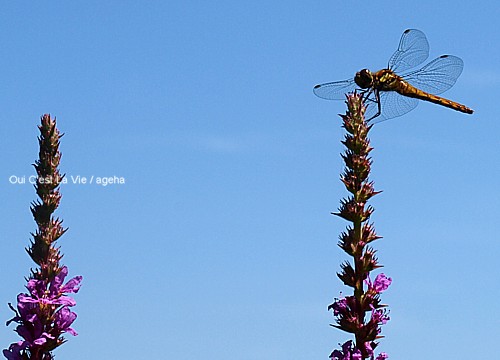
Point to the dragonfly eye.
(364, 79)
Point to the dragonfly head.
(364, 79)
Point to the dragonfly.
(396, 90)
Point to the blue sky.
(220, 244)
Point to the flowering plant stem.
(350, 311)
(43, 314)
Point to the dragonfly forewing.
(335, 90)
(412, 51)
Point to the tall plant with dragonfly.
(361, 313)
(43, 313)
(391, 92)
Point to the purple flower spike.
(351, 312)
(43, 313)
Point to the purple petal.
(64, 318)
(64, 300)
(58, 280)
(32, 284)
(36, 287)
(72, 331)
(23, 332)
(368, 348)
(356, 355)
(24, 298)
(347, 346)
(40, 341)
(14, 351)
(381, 283)
(11, 355)
(72, 286)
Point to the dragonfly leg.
(377, 100)
(365, 94)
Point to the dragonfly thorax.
(364, 79)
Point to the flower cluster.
(350, 352)
(346, 312)
(43, 314)
(350, 311)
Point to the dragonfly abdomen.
(406, 89)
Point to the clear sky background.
(220, 245)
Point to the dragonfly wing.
(437, 76)
(412, 51)
(392, 105)
(335, 90)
